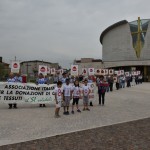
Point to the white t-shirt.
(67, 90)
(85, 90)
(58, 92)
(76, 91)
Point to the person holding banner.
(76, 96)
(58, 97)
(86, 91)
(67, 96)
(41, 80)
(102, 87)
(9, 80)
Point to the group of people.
(64, 92)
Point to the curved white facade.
(117, 44)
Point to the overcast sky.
(61, 30)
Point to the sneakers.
(78, 110)
(67, 113)
(88, 109)
(72, 112)
(64, 112)
(57, 116)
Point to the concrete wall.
(117, 44)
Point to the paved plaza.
(30, 122)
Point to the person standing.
(86, 92)
(111, 82)
(11, 79)
(101, 91)
(76, 96)
(67, 96)
(18, 79)
(41, 80)
(58, 97)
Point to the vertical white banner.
(48, 70)
(84, 72)
(119, 73)
(43, 69)
(15, 66)
(97, 71)
(122, 72)
(91, 71)
(106, 71)
(103, 72)
(53, 71)
(127, 74)
(139, 72)
(74, 70)
(111, 71)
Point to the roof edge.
(110, 28)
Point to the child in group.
(86, 92)
(76, 96)
(67, 96)
(58, 97)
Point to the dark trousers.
(111, 86)
(101, 98)
(117, 85)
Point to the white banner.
(43, 69)
(84, 72)
(106, 71)
(139, 72)
(53, 71)
(97, 71)
(32, 93)
(26, 93)
(122, 72)
(111, 71)
(48, 70)
(15, 67)
(91, 71)
(127, 74)
(74, 70)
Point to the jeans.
(101, 96)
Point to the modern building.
(31, 67)
(126, 45)
(4, 70)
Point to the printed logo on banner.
(84, 71)
(43, 69)
(97, 72)
(139, 72)
(122, 72)
(48, 70)
(127, 74)
(102, 71)
(106, 71)
(115, 79)
(119, 73)
(53, 71)
(74, 70)
(15, 67)
(111, 71)
(91, 71)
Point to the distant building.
(4, 69)
(88, 63)
(31, 67)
